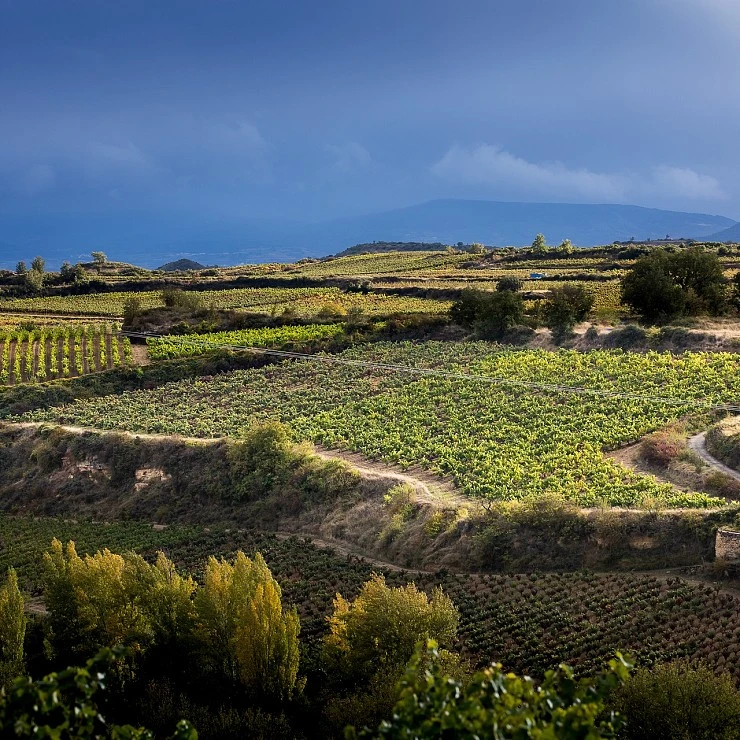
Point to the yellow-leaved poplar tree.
(12, 629)
(244, 628)
(108, 599)
(380, 628)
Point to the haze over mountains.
(150, 239)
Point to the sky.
(231, 109)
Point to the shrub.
(566, 307)
(680, 702)
(499, 312)
(493, 705)
(661, 448)
(178, 298)
(63, 705)
(512, 284)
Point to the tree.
(681, 702)
(34, 281)
(131, 310)
(12, 629)
(663, 285)
(63, 705)
(244, 629)
(498, 312)
(20, 268)
(38, 265)
(539, 245)
(465, 310)
(108, 599)
(476, 248)
(66, 272)
(565, 307)
(380, 628)
(566, 247)
(511, 284)
(99, 258)
(493, 705)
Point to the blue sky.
(297, 110)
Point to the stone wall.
(727, 545)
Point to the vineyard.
(169, 347)
(520, 437)
(60, 352)
(531, 622)
(301, 301)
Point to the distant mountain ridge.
(150, 239)
(732, 234)
(181, 265)
(502, 223)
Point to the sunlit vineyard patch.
(48, 353)
(196, 344)
(301, 301)
(501, 440)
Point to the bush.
(679, 702)
(63, 705)
(492, 705)
(512, 284)
(661, 448)
(498, 313)
(491, 314)
(178, 298)
(663, 285)
(566, 307)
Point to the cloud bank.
(488, 164)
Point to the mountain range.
(148, 239)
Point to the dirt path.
(430, 490)
(344, 548)
(698, 444)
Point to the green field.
(190, 345)
(497, 440)
(302, 301)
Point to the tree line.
(151, 644)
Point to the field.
(531, 622)
(195, 344)
(518, 437)
(60, 352)
(302, 301)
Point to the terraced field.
(511, 431)
(302, 301)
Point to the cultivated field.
(494, 419)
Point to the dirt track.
(698, 444)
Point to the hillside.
(180, 265)
(731, 234)
(501, 223)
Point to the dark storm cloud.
(291, 109)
